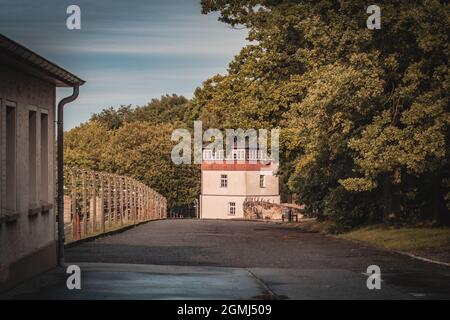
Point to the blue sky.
(127, 51)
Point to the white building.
(227, 182)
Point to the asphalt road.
(208, 259)
(288, 262)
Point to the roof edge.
(29, 57)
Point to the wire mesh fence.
(99, 202)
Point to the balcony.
(236, 155)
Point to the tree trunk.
(391, 197)
(440, 211)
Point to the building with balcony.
(227, 180)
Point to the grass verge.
(426, 242)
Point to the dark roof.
(18, 56)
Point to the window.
(238, 154)
(207, 155)
(32, 160)
(44, 158)
(262, 181)
(241, 154)
(218, 155)
(232, 208)
(224, 181)
(252, 155)
(11, 136)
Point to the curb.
(403, 253)
(422, 258)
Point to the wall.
(27, 242)
(264, 209)
(240, 183)
(216, 207)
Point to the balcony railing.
(236, 155)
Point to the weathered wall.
(216, 207)
(27, 235)
(265, 209)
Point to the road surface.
(210, 259)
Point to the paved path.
(235, 260)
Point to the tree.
(364, 112)
(142, 150)
(84, 145)
(136, 142)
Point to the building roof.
(17, 56)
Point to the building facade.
(227, 181)
(27, 161)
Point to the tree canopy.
(136, 142)
(364, 113)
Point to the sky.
(128, 52)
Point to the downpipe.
(60, 168)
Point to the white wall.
(241, 184)
(216, 207)
(28, 234)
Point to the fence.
(188, 211)
(98, 202)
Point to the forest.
(364, 114)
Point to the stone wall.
(262, 209)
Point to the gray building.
(28, 233)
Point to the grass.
(90, 234)
(312, 225)
(404, 238)
(432, 243)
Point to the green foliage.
(84, 146)
(348, 209)
(169, 108)
(364, 113)
(136, 142)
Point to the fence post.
(109, 201)
(127, 199)
(75, 217)
(114, 198)
(135, 199)
(84, 207)
(131, 196)
(154, 205)
(102, 201)
(138, 211)
(94, 202)
(147, 202)
(121, 200)
(141, 211)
